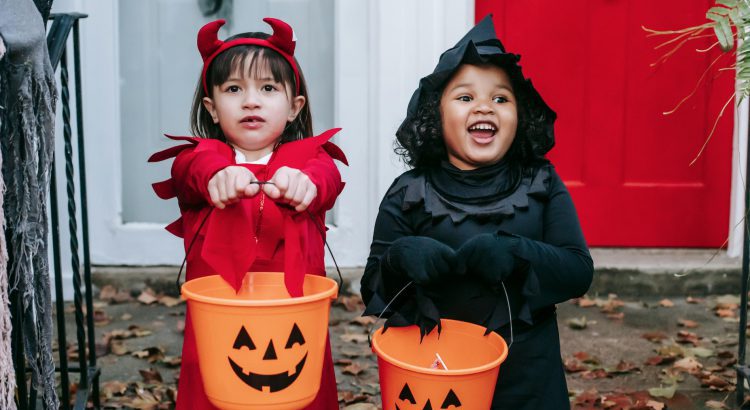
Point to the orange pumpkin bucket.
(458, 367)
(260, 348)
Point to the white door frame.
(382, 49)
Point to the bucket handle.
(312, 217)
(380, 316)
(372, 327)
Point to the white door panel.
(362, 60)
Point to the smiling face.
(479, 115)
(253, 109)
(290, 358)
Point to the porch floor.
(620, 334)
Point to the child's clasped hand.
(288, 185)
(293, 187)
(230, 185)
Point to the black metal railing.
(743, 371)
(87, 391)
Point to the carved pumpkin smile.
(274, 382)
(268, 382)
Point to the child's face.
(478, 109)
(252, 111)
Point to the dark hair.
(420, 143)
(251, 59)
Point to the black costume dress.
(452, 206)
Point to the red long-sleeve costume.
(289, 241)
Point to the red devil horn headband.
(281, 41)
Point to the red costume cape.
(289, 241)
(227, 248)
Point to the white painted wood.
(739, 176)
(411, 37)
(379, 52)
(383, 48)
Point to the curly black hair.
(420, 144)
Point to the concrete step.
(624, 271)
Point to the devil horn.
(283, 35)
(208, 40)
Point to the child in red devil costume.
(252, 188)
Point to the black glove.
(488, 257)
(420, 258)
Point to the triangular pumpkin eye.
(295, 337)
(451, 400)
(406, 394)
(243, 339)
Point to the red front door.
(625, 162)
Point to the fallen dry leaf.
(726, 313)
(657, 360)
(151, 354)
(361, 406)
(172, 361)
(702, 352)
(666, 303)
(688, 364)
(118, 348)
(665, 392)
(150, 375)
(671, 351)
(363, 320)
(107, 293)
(355, 368)
(623, 367)
(147, 297)
(690, 324)
(354, 337)
(655, 337)
(101, 318)
(112, 388)
(655, 405)
(169, 301)
(588, 397)
(683, 336)
(577, 323)
(573, 365)
(594, 374)
(585, 302)
(715, 382)
(352, 303)
(349, 397)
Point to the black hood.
(481, 46)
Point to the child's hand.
(230, 185)
(423, 259)
(489, 257)
(293, 186)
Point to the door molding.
(371, 94)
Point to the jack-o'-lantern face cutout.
(285, 359)
(407, 401)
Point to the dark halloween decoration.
(272, 382)
(407, 397)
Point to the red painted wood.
(625, 162)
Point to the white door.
(362, 60)
(140, 69)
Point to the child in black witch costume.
(482, 229)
